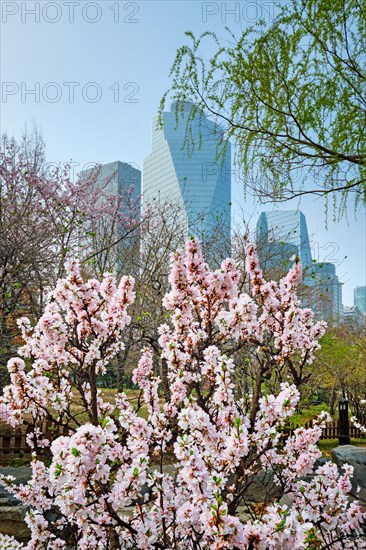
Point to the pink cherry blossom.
(108, 480)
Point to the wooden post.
(344, 438)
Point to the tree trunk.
(257, 392)
(165, 380)
(94, 395)
(332, 402)
(113, 540)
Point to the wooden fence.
(333, 430)
(13, 442)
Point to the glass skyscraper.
(192, 180)
(123, 179)
(360, 298)
(282, 234)
(327, 302)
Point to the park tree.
(162, 230)
(339, 367)
(291, 96)
(114, 458)
(45, 218)
(27, 241)
(160, 233)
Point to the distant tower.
(327, 302)
(124, 179)
(282, 234)
(353, 317)
(195, 181)
(360, 298)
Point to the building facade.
(327, 291)
(283, 234)
(120, 178)
(122, 232)
(192, 180)
(359, 294)
(353, 317)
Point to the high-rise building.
(276, 257)
(196, 181)
(283, 231)
(326, 291)
(360, 298)
(283, 234)
(353, 317)
(122, 179)
(119, 178)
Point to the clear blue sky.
(115, 57)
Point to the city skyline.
(119, 173)
(86, 129)
(281, 234)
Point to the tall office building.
(192, 180)
(123, 179)
(276, 257)
(360, 298)
(353, 317)
(119, 178)
(283, 233)
(327, 291)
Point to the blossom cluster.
(76, 337)
(108, 484)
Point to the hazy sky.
(98, 70)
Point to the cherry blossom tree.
(108, 485)
(27, 241)
(45, 218)
(163, 230)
